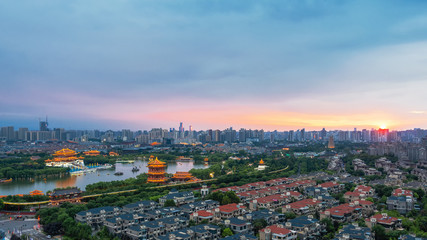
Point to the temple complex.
(93, 153)
(261, 165)
(184, 177)
(156, 171)
(113, 154)
(65, 158)
(71, 195)
(36, 193)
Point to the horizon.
(35, 127)
(258, 65)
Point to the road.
(26, 227)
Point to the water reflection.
(24, 187)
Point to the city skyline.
(245, 64)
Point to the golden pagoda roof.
(65, 152)
(92, 152)
(261, 162)
(156, 162)
(36, 192)
(182, 175)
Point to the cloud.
(114, 60)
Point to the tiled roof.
(277, 229)
(204, 213)
(383, 219)
(230, 207)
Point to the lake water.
(80, 181)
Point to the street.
(22, 227)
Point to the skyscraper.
(43, 125)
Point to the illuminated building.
(71, 195)
(261, 165)
(184, 177)
(36, 193)
(331, 143)
(156, 171)
(65, 158)
(113, 154)
(92, 153)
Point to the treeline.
(25, 171)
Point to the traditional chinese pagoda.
(184, 177)
(63, 158)
(156, 171)
(93, 153)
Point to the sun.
(383, 126)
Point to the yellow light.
(383, 126)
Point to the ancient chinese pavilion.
(156, 171)
(184, 177)
(63, 157)
(92, 153)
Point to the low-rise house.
(116, 225)
(199, 205)
(277, 232)
(96, 216)
(273, 202)
(206, 232)
(176, 235)
(163, 213)
(315, 191)
(359, 193)
(306, 227)
(271, 217)
(238, 225)
(302, 207)
(410, 237)
(327, 201)
(332, 187)
(353, 179)
(154, 229)
(179, 198)
(389, 223)
(136, 232)
(278, 181)
(368, 191)
(254, 186)
(202, 215)
(354, 232)
(385, 164)
(402, 192)
(367, 207)
(241, 236)
(402, 204)
(140, 207)
(342, 213)
(228, 211)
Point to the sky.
(269, 64)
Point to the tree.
(259, 224)
(227, 232)
(379, 232)
(170, 203)
(290, 215)
(53, 228)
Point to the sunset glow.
(253, 64)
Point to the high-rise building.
(43, 125)
(8, 133)
(21, 133)
(331, 143)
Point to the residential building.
(277, 232)
(306, 227)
